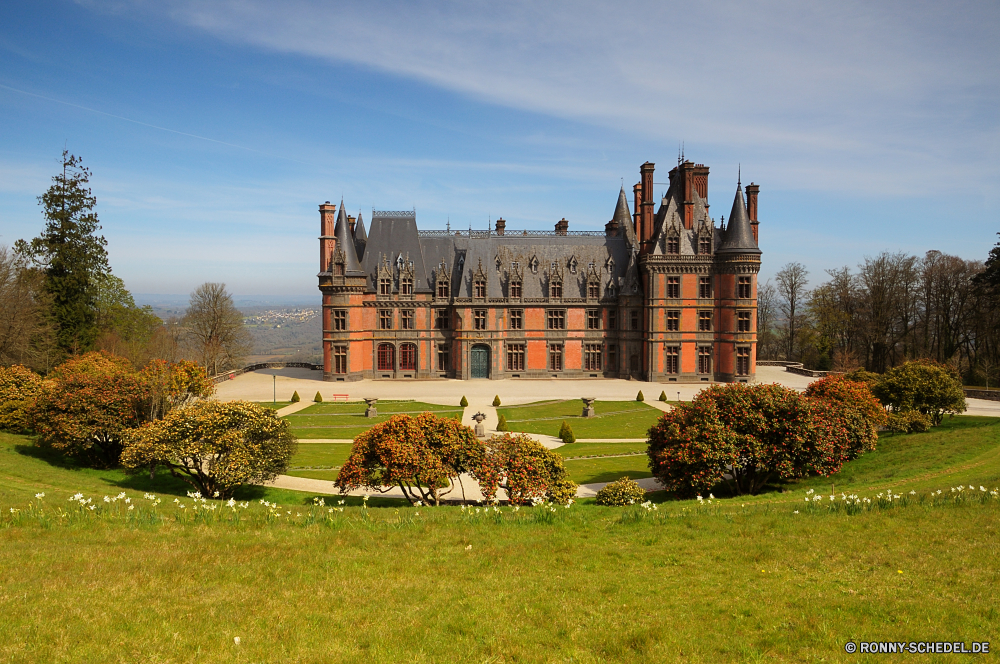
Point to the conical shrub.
(566, 433)
(464, 403)
(318, 398)
(295, 397)
(496, 401)
(502, 423)
(639, 396)
(663, 396)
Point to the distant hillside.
(285, 333)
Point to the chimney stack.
(501, 225)
(636, 206)
(327, 217)
(562, 226)
(351, 221)
(752, 191)
(611, 228)
(646, 171)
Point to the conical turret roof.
(623, 217)
(345, 243)
(738, 238)
(360, 238)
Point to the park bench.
(338, 397)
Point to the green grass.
(320, 455)
(614, 419)
(275, 406)
(600, 449)
(589, 471)
(347, 420)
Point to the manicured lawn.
(589, 471)
(614, 419)
(599, 449)
(320, 455)
(275, 406)
(347, 420)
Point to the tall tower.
(342, 283)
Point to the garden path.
(294, 408)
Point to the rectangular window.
(443, 289)
(704, 321)
(479, 319)
(673, 245)
(338, 269)
(385, 319)
(593, 290)
(386, 357)
(742, 361)
(443, 364)
(339, 320)
(479, 289)
(516, 319)
(514, 290)
(556, 320)
(705, 359)
(612, 357)
(441, 319)
(385, 286)
(673, 287)
(705, 244)
(704, 287)
(592, 357)
(408, 357)
(515, 357)
(742, 321)
(673, 321)
(406, 319)
(633, 320)
(671, 359)
(555, 289)
(555, 357)
(593, 319)
(340, 359)
(743, 288)
(406, 287)
(612, 319)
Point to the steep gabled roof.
(345, 243)
(738, 238)
(360, 237)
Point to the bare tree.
(23, 328)
(791, 288)
(767, 304)
(214, 328)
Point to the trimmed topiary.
(663, 396)
(621, 492)
(566, 433)
(318, 398)
(295, 397)
(501, 423)
(496, 401)
(464, 403)
(639, 396)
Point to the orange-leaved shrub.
(525, 469)
(863, 412)
(18, 387)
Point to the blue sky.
(214, 129)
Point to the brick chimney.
(351, 221)
(562, 226)
(501, 225)
(646, 171)
(327, 243)
(636, 206)
(611, 228)
(752, 191)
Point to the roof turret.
(622, 219)
(345, 243)
(738, 237)
(360, 237)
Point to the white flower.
(236, 640)
(981, 488)
(419, 503)
(215, 495)
(92, 508)
(42, 495)
(231, 503)
(340, 502)
(106, 499)
(128, 501)
(912, 492)
(795, 512)
(831, 498)
(807, 499)
(711, 496)
(468, 548)
(131, 507)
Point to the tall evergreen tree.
(71, 254)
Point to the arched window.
(386, 357)
(408, 357)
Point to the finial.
(448, 224)
(739, 175)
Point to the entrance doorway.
(480, 362)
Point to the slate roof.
(342, 231)
(360, 237)
(738, 237)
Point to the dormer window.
(705, 244)
(673, 245)
(593, 290)
(555, 289)
(385, 286)
(406, 286)
(338, 269)
(514, 288)
(443, 289)
(479, 288)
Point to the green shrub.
(925, 386)
(639, 396)
(464, 403)
(295, 397)
(566, 433)
(621, 492)
(663, 396)
(910, 421)
(496, 401)
(502, 423)
(318, 398)
(18, 387)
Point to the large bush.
(923, 386)
(171, 385)
(863, 413)
(18, 388)
(424, 456)
(525, 469)
(748, 435)
(215, 447)
(621, 492)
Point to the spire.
(360, 237)
(621, 222)
(738, 238)
(345, 243)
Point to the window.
(515, 357)
(555, 289)
(612, 319)
(386, 357)
(385, 319)
(406, 286)
(479, 288)
(594, 290)
(593, 319)
(671, 359)
(612, 357)
(673, 321)
(705, 359)
(743, 288)
(673, 287)
(514, 289)
(610, 291)
(339, 320)
(742, 321)
(443, 289)
(704, 287)
(673, 245)
(479, 319)
(633, 320)
(408, 357)
(592, 357)
(340, 359)
(516, 319)
(704, 321)
(556, 320)
(338, 269)
(443, 364)
(385, 286)
(705, 244)
(441, 319)
(742, 361)
(406, 319)
(555, 357)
